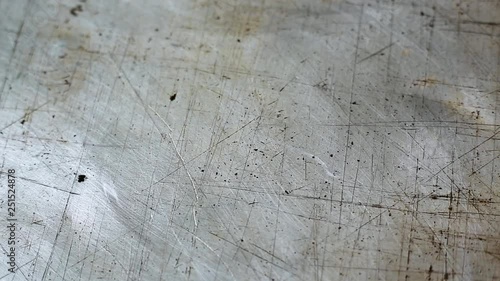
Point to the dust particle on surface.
(82, 178)
(75, 10)
(172, 97)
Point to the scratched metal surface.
(252, 140)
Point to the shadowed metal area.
(250, 140)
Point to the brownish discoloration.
(238, 21)
(68, 58)
(28, 115)
(465, 105)
(426, 82)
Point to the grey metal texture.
(251, 140)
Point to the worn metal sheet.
(251, 140)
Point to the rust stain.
(461, 105)
(28, 115)
(427, 82)
(240, 21)
(406, 52)
(66, 72)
